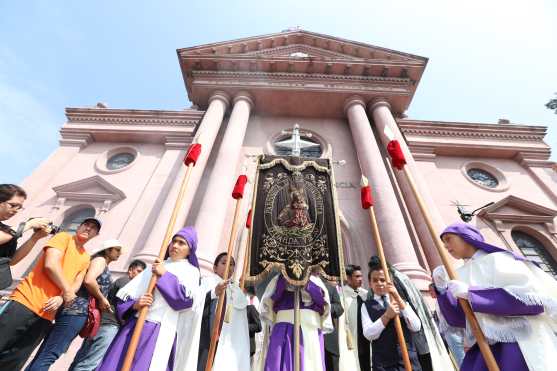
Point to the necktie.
(384, 299)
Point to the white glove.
(440, 278)
(459, 289)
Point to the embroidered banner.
(295, 223)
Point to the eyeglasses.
(14, 206)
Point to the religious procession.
(294, 218)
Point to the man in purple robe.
(513, 299)
(277, 308)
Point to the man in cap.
(54, 281)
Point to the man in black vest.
(378, 327)
(331, 339)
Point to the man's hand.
(36, 223)
(68, 297)
(146, 300)
(104, 305)
(392, 310)
(219, 289)
(53, 304)
(40, 233)
(391, 289)
(158, 268)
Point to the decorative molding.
(298, 76)
(188, 118)
(285, 51)
(179, 142)
(72, 139)
(463, 133)
(527, 212)
(92, 189)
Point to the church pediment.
(94, 188)
(276, 68)
(515, 209)
(310, 42)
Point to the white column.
(380, 111)
(396, 240)
(174, 169)
(210, 222)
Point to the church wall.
(80, 166)
(448, 182)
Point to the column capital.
(245, 96)
(355, 99)
(220, 95)
(378, 102)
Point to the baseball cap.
(94, 221)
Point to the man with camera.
(54, 281)
(11, 202)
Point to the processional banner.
(295, 225)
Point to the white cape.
(348, 358)
(536, 335)
(233, 351)
(173, 324)
(312, 349)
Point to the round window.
(119, 161)
(483, 177)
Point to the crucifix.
(295, 142)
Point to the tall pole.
(297, 355)
(468, 312)
(237, 194)
(399, 162)
(190, 160)
(381, 253)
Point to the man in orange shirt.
(53, 281)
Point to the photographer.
(53, 281)
(11, 201)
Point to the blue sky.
(487, 59)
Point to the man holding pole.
(378, 327)
(233, 347)
(278, 309)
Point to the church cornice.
(525, 144)
(300, 76)
(187, 118)
(473, 130)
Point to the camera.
(53, 228)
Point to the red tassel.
(367, 199)
(396, 154)
(248, 220)
(193, 154)
(238, 191)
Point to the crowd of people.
(343, 326)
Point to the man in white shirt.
(377, 316)
(354, 297)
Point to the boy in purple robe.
(513, 299)
(170, 319)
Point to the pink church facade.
(125, 166)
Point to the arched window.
(534, 250)
(74, 219)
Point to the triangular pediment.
(288, 42)
(516, 209)
(94, 188)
